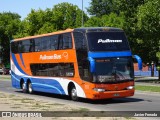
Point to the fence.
(145, 73)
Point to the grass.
(5, 77)
(148, 88)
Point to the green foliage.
(9, 23)
(102, 7)
(149, 24)
(111, 20)
(60, 17)
(94, 22)
(67, 16)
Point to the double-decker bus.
(93, 63)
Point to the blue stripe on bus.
(109, 54)
(39, 84)
(22, 59)
(16, 64)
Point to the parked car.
(1, 70)
(6, 71)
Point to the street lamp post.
(82, 13)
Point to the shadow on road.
(116, 100)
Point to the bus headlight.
(99, 89)
(130, 87)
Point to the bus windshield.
(107, 41)
(113, 70)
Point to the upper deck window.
(46, 43)
(107, 41)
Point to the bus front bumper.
(111, 94)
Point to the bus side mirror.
(92, 64)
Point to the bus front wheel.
(73, 94)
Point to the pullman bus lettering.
(109, 41)
(45, 57)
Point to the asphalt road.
(141, 101)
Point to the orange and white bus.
(93, 63)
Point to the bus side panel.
(15, 80)
(14, 71)
(49, 85)
(56, 85)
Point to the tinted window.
(53, 69)
(45, 44)
(32, 45)
(14, 47)
(25, 46)
(82, 55)
(107, 41)
(118, 70)
(54, 42)
(65, 41)
(37, 44)
(80, 42)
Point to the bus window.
(25, 46)
(53, 69)
(65, 41)
(54, 42)
(45, 43)
(32, 45)
(14, 47)
(81, 50)
(37, 44)
(80, 41)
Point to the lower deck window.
(53, 69)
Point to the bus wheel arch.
(29, 86)
(72, 91)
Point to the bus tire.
(24, 89)
(30, 89)
(73, 93)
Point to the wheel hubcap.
(30, 88)
(74, 93)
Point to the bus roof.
(43, 35)
(83, 29)
(96, 29)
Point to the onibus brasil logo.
(54, 56)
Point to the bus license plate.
(116, 95)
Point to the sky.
(23, 7)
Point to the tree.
(149, 24)
(60, 17)
(67, 16)
(94, 22)
(99, 8)
(9, 23)
(111, 20)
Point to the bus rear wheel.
(30, 89)
(73, 94)
(24, 87)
